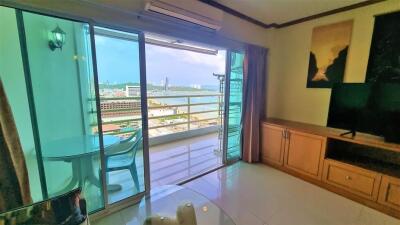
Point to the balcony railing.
(166, 114)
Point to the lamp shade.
(58, 38)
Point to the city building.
(132, 91)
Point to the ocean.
(183, 100)
(193, 100)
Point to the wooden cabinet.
(338, 163)
(305, 153)
(389, 192)
(272, 144)
(364, 183)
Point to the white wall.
(122, 13)
(55, 79)
(287, 95)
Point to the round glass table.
(163, 201)
(79, 151)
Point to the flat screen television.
(349, 109)
(366, 107)
(385, 101)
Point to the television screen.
(349, 107)
(385, 101)
(366, 107)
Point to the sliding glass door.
(13, 79)
(81, 123)
(118, 66)
(234, 107)
(60, 84)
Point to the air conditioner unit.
(188, 10)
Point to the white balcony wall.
(55, 79)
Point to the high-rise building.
(165, 84)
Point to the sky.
(118, 62)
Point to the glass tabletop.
(163, 201)
(76, 146)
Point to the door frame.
(226, 107)
(143, 105)
(109, 208)
(31, 101)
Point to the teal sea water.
(184, 100)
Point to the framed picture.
(328, 54)
(384, 56)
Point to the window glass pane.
(118, 66)
(63, 92)
(12, 76)
(234, 146)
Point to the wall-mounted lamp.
(57, 38)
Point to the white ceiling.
(281, 11)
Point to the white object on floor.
(185, 215)
(163, 202)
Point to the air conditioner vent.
(188, 10)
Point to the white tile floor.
(255, 194)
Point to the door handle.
(285, 134)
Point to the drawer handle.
(348, 178)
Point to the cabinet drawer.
(356, 180)
(389, 192)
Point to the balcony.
(185, 136)
(182, 144)
(172, 163)
(167, 114)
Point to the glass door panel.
(13, 78)
(234, 110)
(62, 87)
(118, 68)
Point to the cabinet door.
(272, 144)
(305, 153)
(389, 192)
